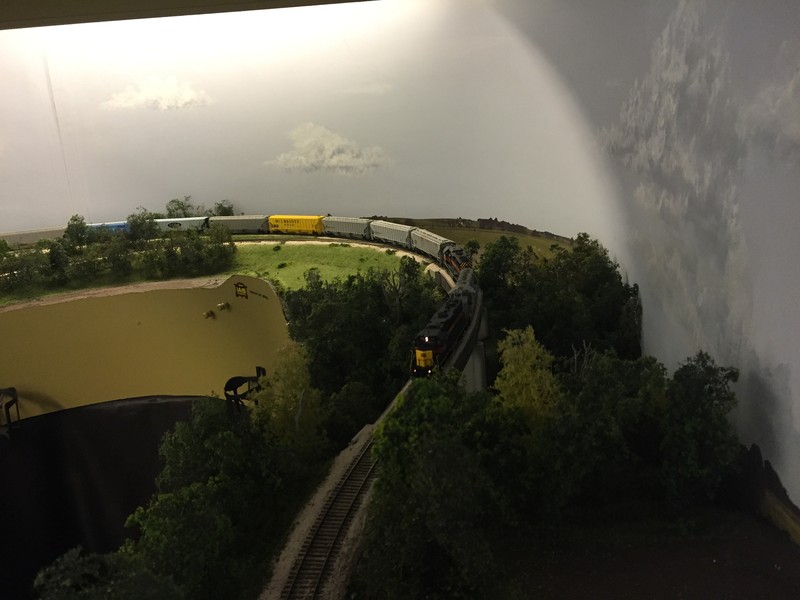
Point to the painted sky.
(668, 129)
(398, 107)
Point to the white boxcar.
(429, 243)
(384, 231)
(350, 227)
(243, 223)
(182, 223)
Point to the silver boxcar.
(394, 233)
(429, 243)
(17, 238)
(349, 227)
(242, 223)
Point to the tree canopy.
(573, 300)
(86, 255)
(360, 329)
(457, 470)
(184, 207)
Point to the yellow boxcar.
(302, 224)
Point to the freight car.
(439, 249)
(392, 233)
(114, 226)
(242, 223)
(177, 224)
(429, 243)
(183, 223)
(434, 344)
(349, 227)
(296, 224)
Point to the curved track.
(320, 550)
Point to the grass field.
(460, 235)
(288, 263)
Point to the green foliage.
(289, 409)
(24, 270)
(455, 469)
(223, 208)
(177, 208)
(433, 503)
(528, 390)
(119, 259)
(526, 380)
(58, 261)
(79, 576)
(348, 326)
(612, 427)
(699, 444)
(222, 498)
(472, 246)
(502, 264)
(188, 535)
(348, 410)
(87, 256)
(142, 226)
(609, 428)
(573, 300)
(87, 265)
(76, 233)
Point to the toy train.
(444, 251)
(186, 223)
(435, 343)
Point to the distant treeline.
(87, 255)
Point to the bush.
(79, 576)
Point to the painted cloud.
(317, 148)
(678, 132)
(774, 118)
(162, 94)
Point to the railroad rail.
(312, 567)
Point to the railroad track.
(318, 555)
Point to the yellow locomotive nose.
(424, 359)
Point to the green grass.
(261, 260)
(333, 261)
(460, 235)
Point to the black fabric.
(72, 477)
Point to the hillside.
(485, 231)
